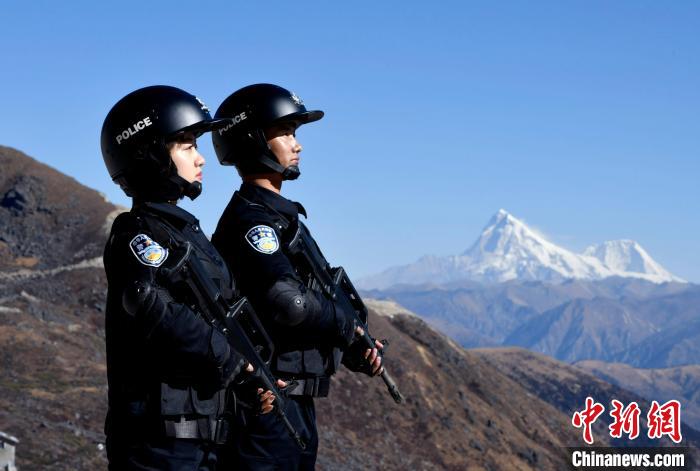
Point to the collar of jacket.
(171, 212)
(257, 194)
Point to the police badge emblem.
(263, 239)
(148, 251)
(297, 101)
(202, 105)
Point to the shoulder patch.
(148, 251)
(263, 239)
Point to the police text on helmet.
(236, 119)
(136, 127)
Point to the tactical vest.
(317, 364)
(187, 410)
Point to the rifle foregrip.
(391, 386)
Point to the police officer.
(309, 331)
(167, 368)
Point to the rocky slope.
(48, 219)
(52, 292)
(662, 384)
(53, 384)
(563, 385)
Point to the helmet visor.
(302, 117)
(207, 125)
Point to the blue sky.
(581, 118)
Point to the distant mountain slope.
(597, 328)
(564, 385)
(508, 249)
(654, 332)
(681, 383)
(615, 319)
(678, 344)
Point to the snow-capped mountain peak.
(502, 233)
(508, 249)
(628, 256)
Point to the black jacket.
(163, 359)
(305, 327)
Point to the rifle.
(240, 325)
(334, 284)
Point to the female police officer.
(308, 329)
(167, 368)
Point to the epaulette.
(238, 197)
(161, 231)
(281, 222)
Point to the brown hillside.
(46, 218)
(566, 388)
(661, 384)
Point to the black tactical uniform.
(308, 330)
(166, 365)
(251, 236)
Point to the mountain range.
(503, 408)
(508, 249)
(639, 335)
(634, 321)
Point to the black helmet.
(252, 109)
(134, 137)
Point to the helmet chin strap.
(291, 173)
(269, 159)
(184, 188)
(193, 190)
(175, 187)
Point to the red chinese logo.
(586, 418)
(665, 420)
(624, 420)
(661, 420)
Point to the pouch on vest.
(186, 401)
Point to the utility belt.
(312, 387)
(201, 428)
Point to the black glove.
(347, 324)
(246, 392)
(354, 358)
(233, 368)
(230, 362)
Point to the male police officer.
(167, 367)
(309, 330)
